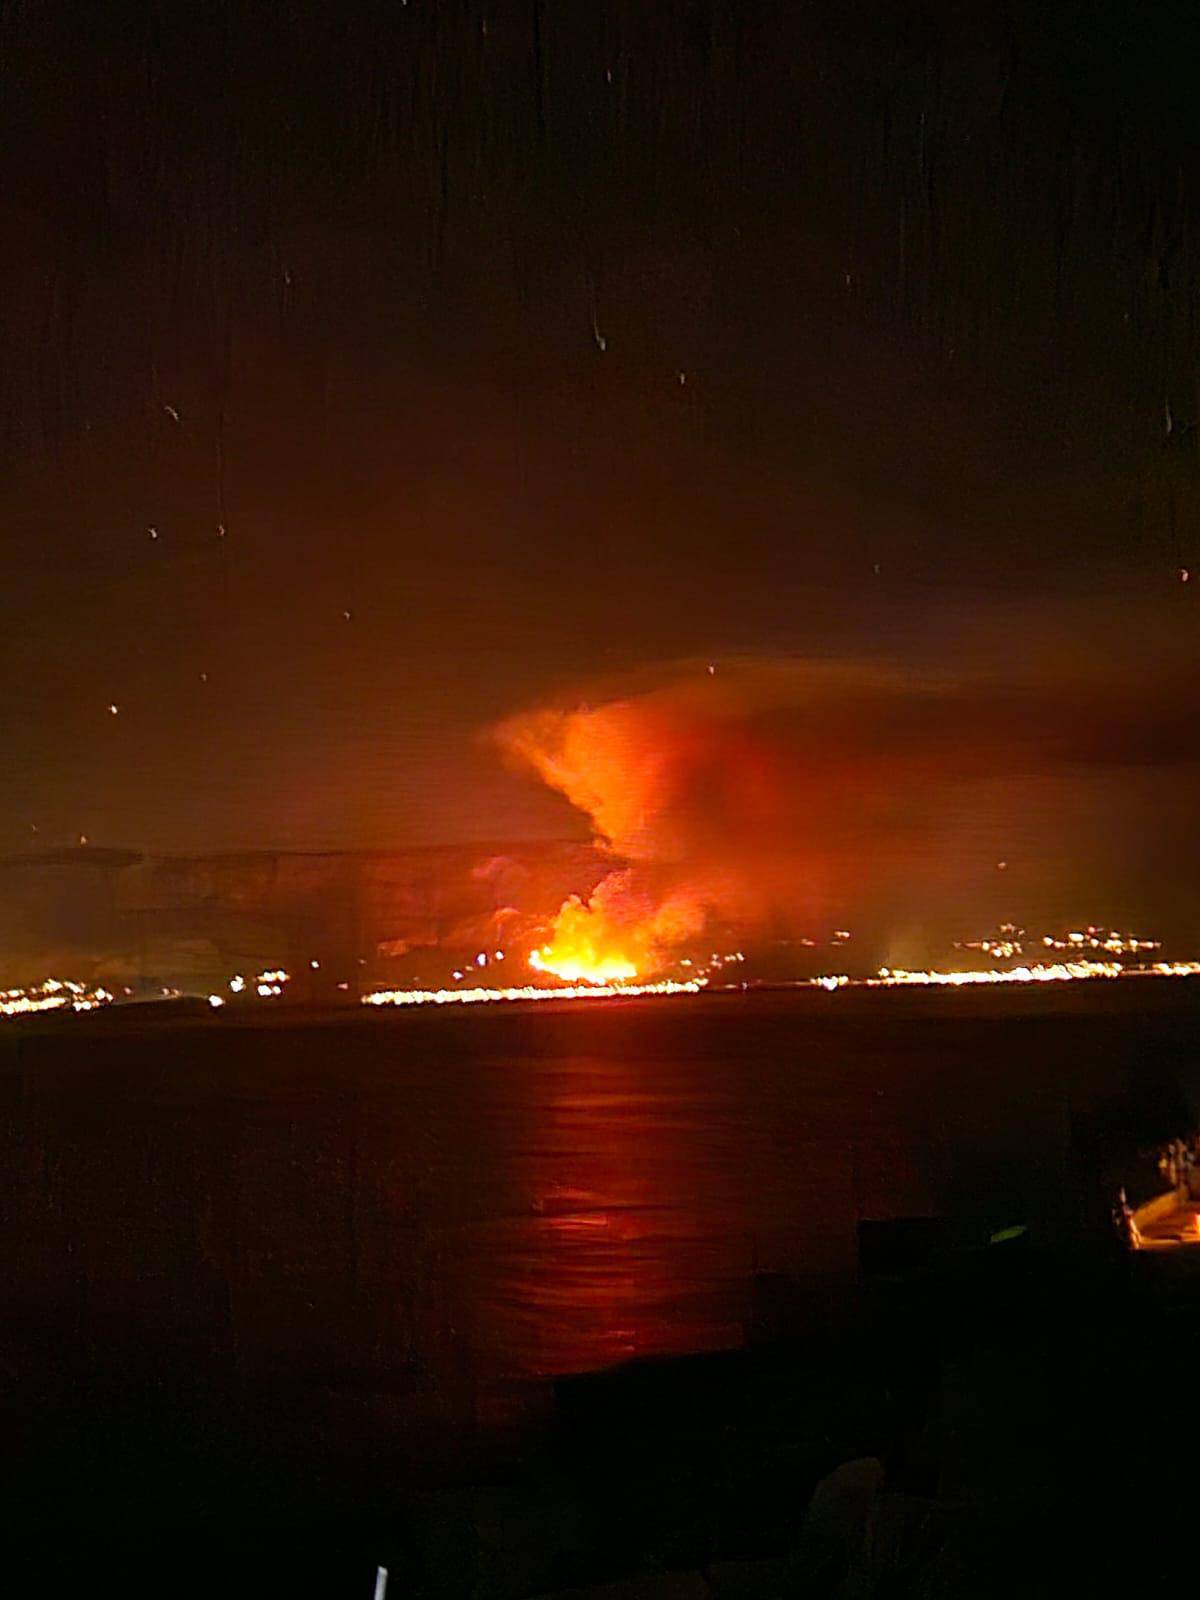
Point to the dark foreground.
(517, 1302)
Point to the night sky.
(373, 373)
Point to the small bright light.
(237, 984)
(215, 1001)
(315, 965)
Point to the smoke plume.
(787, 794)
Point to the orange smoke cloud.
(695, 785)
(670, 769)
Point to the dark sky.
(553, 340)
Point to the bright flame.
(582, 965)
(629, 765)
(618, 934)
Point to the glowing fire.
(589, 944)
(709, 791)
(616, 762)
(770, 793)
(619, 933)
(582, 963)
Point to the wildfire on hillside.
(701, 789)
(618, 934)
(762, 795)
(638, 767)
